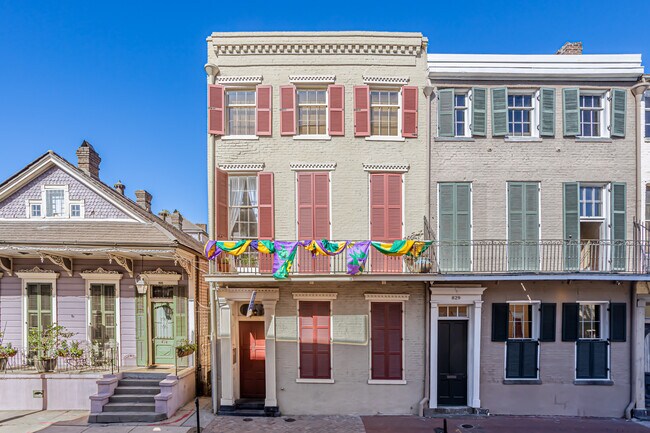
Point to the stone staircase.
(133, 400)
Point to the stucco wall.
(349, 182)
(557, 395)
(490, 162)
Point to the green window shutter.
(523, 226)
(180, 320)
(446, 113)
(455, 226)
(547, 112)
(499, 112)
(619, 103)
(479, 111)
(618, 224)
(571, 220)
(141, 341)
(571, 112)
(617, 321)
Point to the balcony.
(474, 258)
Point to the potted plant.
(74, 351)
(422, 264)
(47, 345)
(6, 352)
(185, 349)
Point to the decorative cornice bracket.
(124, 262)
(184, 263)
(7, 265)
(64, 263)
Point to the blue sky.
(128, 76)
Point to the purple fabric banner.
(357, 257)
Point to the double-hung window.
(312, 111)
(461, 110)
(591, 201)
(35, 210)
(242, 207)
(520, 115)
(647, 115)
(522, 346)
(592, 115)
(592, 347)
(384, 113)
(54, 203)
(240, 112)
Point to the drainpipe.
(213, 347)
(427, 350)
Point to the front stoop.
(450, 412)
(249, 408)
(132, 401)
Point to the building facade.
(318, 136)
(534, 203)
(126, 284)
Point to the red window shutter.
(409, 111)
(221, 204)
(315, 342)
(336, 109)
(265, 215)
(313, 218)
(263, 123)
(287, 110)
(216, 120)
(361, 111)
(321, 205)
(386, 334)
(385, 218)
(305, 206)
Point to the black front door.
(452, 363)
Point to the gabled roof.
(144, 229)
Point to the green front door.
(162, 314)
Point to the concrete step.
(127, 398)
(129, 407)
(111, 417)
(249, 404)
(145, 376)
(138, 382)
(244, 412)
(138, 390)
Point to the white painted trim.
(108, 279)
(243, 294)
(314, 380)
(387, 381)
(314, 296)
(28, 277)
(314, 137)
(386, 168)
(239, 79)
(239, 137)
(321, 79)
(395, 81)
(305, 166)
(385, 138)
(160, 279)
(242, 167)
(386, 297)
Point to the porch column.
(226, 311)
(269, 365)
(433, 355)
(476, 359)
(637, 339)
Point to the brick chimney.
(88, 160)
(177, 220)
(119, 187)
(570, 48)
(143, 199)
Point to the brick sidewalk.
(405, 424)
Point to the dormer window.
(75, 210)
(54, 203)
(35, 210)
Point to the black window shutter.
(521, 359)
(599, 359)
(513, 359)
(569, 322)
(583, 360)
(499, 322)
(529, 359)
(547, 322)
(618, 321)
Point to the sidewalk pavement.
(58, 421)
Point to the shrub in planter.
(6, 351)
(47, 345)
(185, 349)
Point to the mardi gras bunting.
(285, 254)
(357, 256)
(325, 247)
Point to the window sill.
(312, 137)
(522, 381)
(380, 138)
(314, 380)
(386, 382)
(602, 382)
(453, 139)
(593, 140)
(523, 139)
(239, 137)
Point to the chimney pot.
(143, 199)
(570, 48)
(119, 187)
(88, 159)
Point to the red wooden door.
(385, 218)
(252, 349)
(313, 219)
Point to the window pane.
(54, 202)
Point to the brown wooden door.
(252, 348)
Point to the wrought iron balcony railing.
(489, 257)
